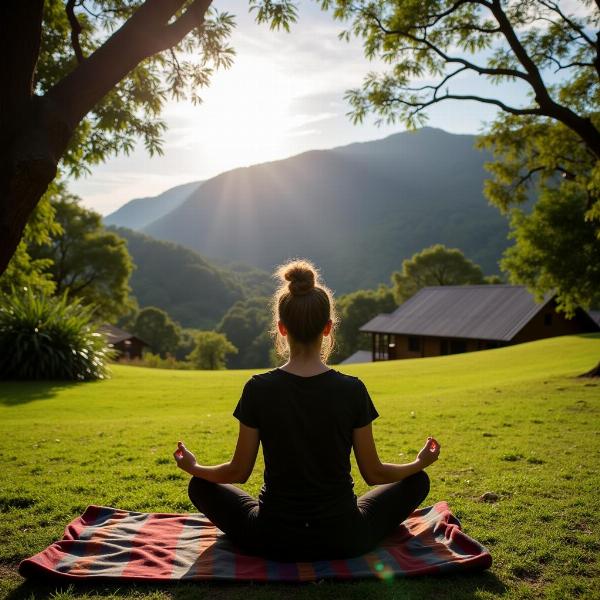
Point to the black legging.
(378, 513)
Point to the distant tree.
(557, 242)
(493, 279)
(84, 79)
(543, 256)
(436, 265)
(187, 343)
(156, 328)
(85, 261)
(210, 351)
(246, 324)
(354, 310)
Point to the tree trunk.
(595, 372)
(29, 166)
(25, 168)
(35, 130)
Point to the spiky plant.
(45, 337)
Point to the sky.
(284, 95)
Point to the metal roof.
(360, 356)
(486, 312)
(595, 314)
(114, 335)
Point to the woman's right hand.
(184, 458)
(429, 453)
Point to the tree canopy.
(354, 310)
(436, 265)
(84, 80)
(156, 328)
(210, 351)
(551, 142)
(85, 261)
(247, 325)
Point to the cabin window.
(458, 346)
(453, 346)
(414, 344)
(548, 319)
(381, 346)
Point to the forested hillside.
(193, 291)
(356, 211)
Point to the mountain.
(138, 213)
(357, 211)
(193, 291)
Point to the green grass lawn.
(514, 421)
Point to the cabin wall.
(131, 350)
(405, 346)
(551, 323)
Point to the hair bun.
(301, 277)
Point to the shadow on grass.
(449, 587)
(13, 393)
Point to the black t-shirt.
(305, 426)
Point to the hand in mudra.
(429, 453)
(184, 458)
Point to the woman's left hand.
(184, 458)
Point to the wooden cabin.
(128, 345)
(442, 320)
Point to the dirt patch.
(9, 571)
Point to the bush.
(211, 350)
(155, 361)
(44, 337)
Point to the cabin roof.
(595, 314)
(487, 312)
(114, 335)
(360, 356)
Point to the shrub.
(211, 350)
(43, 337)
(155, 361)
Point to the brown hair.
(304, 305)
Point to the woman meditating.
(308, 417)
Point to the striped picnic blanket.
(112, 543)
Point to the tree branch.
(477, 68)
(76, 289)
(449, 11)
(554, 7)
(568, 175)
(75, 30)
(527, 176)
(146, 33)
(510, 109)
(435, 87)
(560, 66)
(535, 78)
(583, 126)
(192, 18)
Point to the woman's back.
(305, 426)
(307, 418)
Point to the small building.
(128, 345)
(360, 356)
(452, 319)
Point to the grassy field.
(514, 421)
